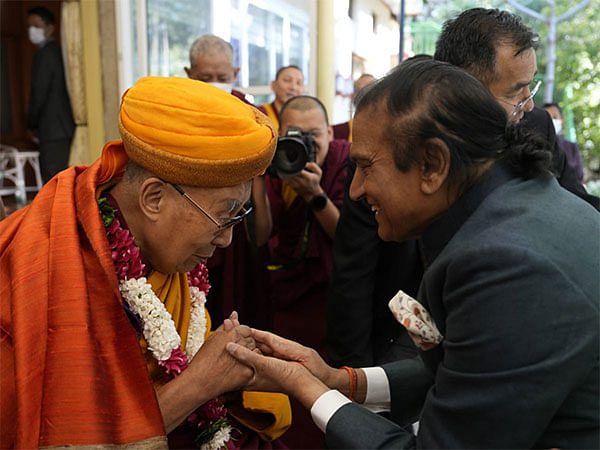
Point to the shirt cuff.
(326, 406)
(378, 397)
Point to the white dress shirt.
(377, 399)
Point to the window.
(155, 37)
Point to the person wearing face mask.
(571, 149)
(288, 83)
(237, 279)
(211, 61)
(50, 111)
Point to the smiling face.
(288, 84)
(179, 236)
(514, 78)
(402, 206)
(311, 120)
(213, 67)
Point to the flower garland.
(158, 327)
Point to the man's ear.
(49, 30)
(187, 71)
(330, 133)
(435, 165)
(236, 70)
(151, 196)
(272, 84)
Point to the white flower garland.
(219, 440)
(158, 327)
(197, 328)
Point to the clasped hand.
(226, 373)
(284, 366)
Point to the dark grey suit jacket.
(512, 284)
(49, 105)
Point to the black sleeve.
(41, 78)
(350, 301)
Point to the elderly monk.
(288, 83)
(211, 61)
(104, 336)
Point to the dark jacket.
(515, 291)
(368, 272)
(49, 105)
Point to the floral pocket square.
(416, 319)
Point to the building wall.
(372, 48)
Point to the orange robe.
(72, 371)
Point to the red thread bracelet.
(353, 381)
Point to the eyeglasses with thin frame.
(220, 226)
(519, 107)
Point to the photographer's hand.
(308, 182)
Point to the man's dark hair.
(556, 105)
(470, 40)
(291, 66)
(421, 98)
(43, 13)
(304, 103)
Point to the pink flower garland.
(128, 264)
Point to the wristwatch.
(318, 202)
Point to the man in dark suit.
(49, 105)
(498, 49)
(510, 337)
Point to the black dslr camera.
(293, 151)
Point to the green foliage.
(577, 61)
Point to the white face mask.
(227, 87)
(557, 125)
(36, 35)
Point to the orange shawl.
(76, 375)
(72, 370)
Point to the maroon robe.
(342, 131)
(299, 293)
(237, 277)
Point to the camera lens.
(290, 157)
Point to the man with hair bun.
(506, 318)
(105, 340)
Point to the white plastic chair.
(12, 167)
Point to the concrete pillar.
(93, 76)
(325, 54)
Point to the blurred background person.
(571, 149)
(304, 211)
(288, 83)
(344, 130)
(50, 121)
(211, 61)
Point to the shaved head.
(210, 44)
(303, 103)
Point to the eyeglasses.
(519, 107)
(220, 226)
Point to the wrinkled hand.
(307, 183)
(225, 372)
(278, 375)
(272, 345)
